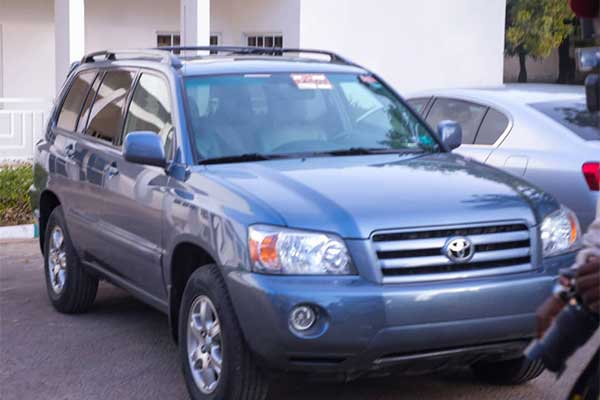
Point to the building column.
(195, 22)
(69, 36)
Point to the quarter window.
(85, 112)
(467, 114)
(74, 100)
(150, 110)
(492, 127)
(105, 117)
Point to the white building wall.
(262, 16)
(27, 48)
(413, 44)
(128, 23)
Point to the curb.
(18, 232)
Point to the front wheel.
(217, 364)
(509, 372)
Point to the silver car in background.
(543, 133)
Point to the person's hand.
(587, 284)
(546, 313)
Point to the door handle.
(112, 170)
(70, 150)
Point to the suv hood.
(356, 195)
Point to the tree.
(534, 28)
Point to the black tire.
(509, 372)
(79, 289)
(240, 378)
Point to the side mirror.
(450, 133)
(144, 147)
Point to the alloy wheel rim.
(57, 260)
(204, 344)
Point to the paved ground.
(122, 350)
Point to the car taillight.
(591, 171)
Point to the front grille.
(419, 255)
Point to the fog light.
(302, 318)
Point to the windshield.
(574, 115)
(299, 114)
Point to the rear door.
(66, 154)
(134, 193)
(103, 119)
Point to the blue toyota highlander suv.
(289, 212)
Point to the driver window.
(467, 114)
(150, 110)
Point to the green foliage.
(14, 195)
(536, 27)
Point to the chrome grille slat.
(419, 255)
(414, 262)
(432, 243)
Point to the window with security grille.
(263, 40)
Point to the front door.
(134, 193)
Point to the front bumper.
(364, 325)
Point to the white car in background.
(543, 133)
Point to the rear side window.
(573, 115)
(418, 104)
(493, 126)
(74, 100)
(105, 117)
(150, 110)
(467, 114)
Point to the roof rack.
(165, 54)
(114, 55)
(241, 50)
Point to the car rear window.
(574, 115)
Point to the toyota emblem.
(459, 249)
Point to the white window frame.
(248, 35)
(172, 35)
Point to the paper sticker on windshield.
(311, 82)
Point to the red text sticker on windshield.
(311, 82)
(368, 79)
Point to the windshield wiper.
(357, 151)
(248, 157)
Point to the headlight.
(276, 250)
(560, 232)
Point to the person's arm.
(587, 284)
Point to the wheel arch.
(186, 257)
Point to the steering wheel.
(369, 113)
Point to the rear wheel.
(509, 372)
(70, 288)
(217, 364)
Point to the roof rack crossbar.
(241, 50)
(113, 55)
